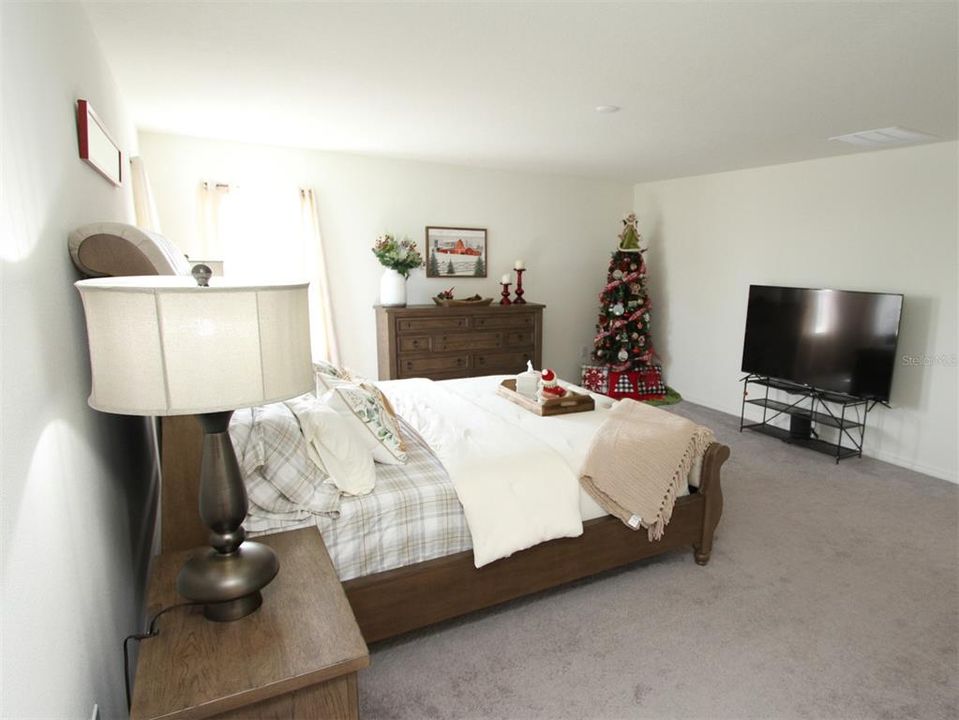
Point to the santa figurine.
(549, 388)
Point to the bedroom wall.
(562, 227)
(75, 483)
(879, 221)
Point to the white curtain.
(214, 221)
(259, 233)
(143, 205)
(323, 330)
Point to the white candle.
(518, 265)
(505, 279)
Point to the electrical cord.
(152, 631)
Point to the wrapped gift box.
(596, 378)
(644, 384)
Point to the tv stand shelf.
(816, 417)
(813, 407)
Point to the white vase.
(392, 288)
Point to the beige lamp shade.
(161, 345)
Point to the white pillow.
(331, 439)
(368, 413)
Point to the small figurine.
(549, 387)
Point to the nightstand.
(295, 657)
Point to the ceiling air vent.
(884, 137)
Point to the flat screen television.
(837, 340)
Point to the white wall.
(75, 483)
(881, 221)
(562, 227)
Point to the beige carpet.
(831, 593)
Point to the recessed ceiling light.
(607, 109)
(884, 137)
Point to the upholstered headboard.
(113, 249)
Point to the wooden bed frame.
(397, 601)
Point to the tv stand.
(812, 407)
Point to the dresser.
(452, 342)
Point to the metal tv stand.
(811, 408)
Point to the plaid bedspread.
(412, 515)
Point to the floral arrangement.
(399, 255)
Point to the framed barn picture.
(455, 252)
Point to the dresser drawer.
(508, 320)
(415, 343)
(501, 362)
(468, 341)
(519, 338)
(417, 367)
(426, 324)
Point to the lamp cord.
(152, 631)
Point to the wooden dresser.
(451, 342)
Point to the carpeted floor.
(832, 592)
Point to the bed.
(398, 600)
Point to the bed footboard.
(711, 489)
(397, 601)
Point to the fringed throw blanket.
(638, 462)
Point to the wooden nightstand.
(295, 657)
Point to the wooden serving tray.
(449, 302)
(572, 403)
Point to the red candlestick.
(519, 287)
(505, 294)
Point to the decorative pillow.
(363, 406)
(327, 376)
(387, 408)
(335, 444)
(280, 476)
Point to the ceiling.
(704, 87)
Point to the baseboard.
(891, 458)
(919, 467)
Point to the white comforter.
(515, 473)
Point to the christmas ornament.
(623, 355)
(617, 274)
(618, 309)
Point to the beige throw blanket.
(638, 462)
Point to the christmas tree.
(623, 341)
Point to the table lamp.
(165, 345)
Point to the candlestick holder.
(505, 294)
(519, 287)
